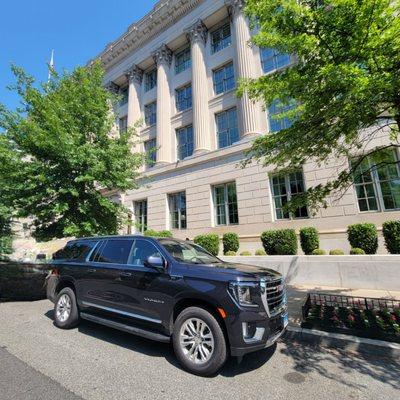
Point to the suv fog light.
(252, 333)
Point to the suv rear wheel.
(66, 314)
(199, 342)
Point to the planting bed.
(359, 316)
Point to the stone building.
(177, 69)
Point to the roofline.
(163, 15)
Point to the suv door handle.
(126, 273)
(91, 270)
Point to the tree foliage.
(346, 78)
(58, 159)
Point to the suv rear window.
(113, 251)
(77, 251)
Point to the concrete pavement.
(93, 362)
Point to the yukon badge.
(154, 300)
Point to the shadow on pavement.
(152, 348)
(310, 358)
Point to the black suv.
(168, 289)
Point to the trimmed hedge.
(363, 236)
(391, 233)
(318, 252)
(280, 242)
(309, 239)
(209, 242)
(230, 241)
(357, 251)
(245, 253)
(230, 253)
(336, 252)
(260, 252)
(151, 232)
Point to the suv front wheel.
(66, 315)
(199, 341)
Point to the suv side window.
(142, 250)
(114, 251)
(75, 251)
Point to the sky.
(77, 30)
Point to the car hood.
(237, 269)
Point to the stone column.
(134, 75)
(249, 111)
(197, 35)
(163, 57)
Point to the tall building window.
(225, 204)
(227, 128)
(184, 139)
(150, 148)
(182, 60)
(140, 210)
(285, 187)
(150, 80)
(221, 38)
(272, 60)
(183, 98)
(277, 123)
(123, 124)
(123, 96)
(224, 78)
(377, 181)
(177, 210)
(150, 113)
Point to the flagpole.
(51, 65)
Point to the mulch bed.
(358, 316)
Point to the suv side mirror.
(155, 262)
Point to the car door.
(144, 289)
(100, 289)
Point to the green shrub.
(260, 252)
(209, 241)
(245, 253)
(391, 233)
(309, 239)
(363, 236)
(5, 246)
(280, 242)
(152, 232)
(230, 241)
(356, 251)
(318, 252)
(336, 252)
(230, 253)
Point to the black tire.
(73, 318)
(219, 353)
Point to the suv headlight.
(244, 292)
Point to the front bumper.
(266, 330)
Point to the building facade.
(177, 70)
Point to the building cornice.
(164, 14)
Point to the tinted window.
(142, 250)
(77, 251)
(115, 251)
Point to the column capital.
(235, 7)
(163, 55)
(197, 32)
(112, 87)
(134, 74)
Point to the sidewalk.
(296, 296)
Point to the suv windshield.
(188, 252)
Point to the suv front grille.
(275, 293)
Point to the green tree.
(345, 78)
(60, 160)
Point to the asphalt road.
(39, 361)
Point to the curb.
(347, 342)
